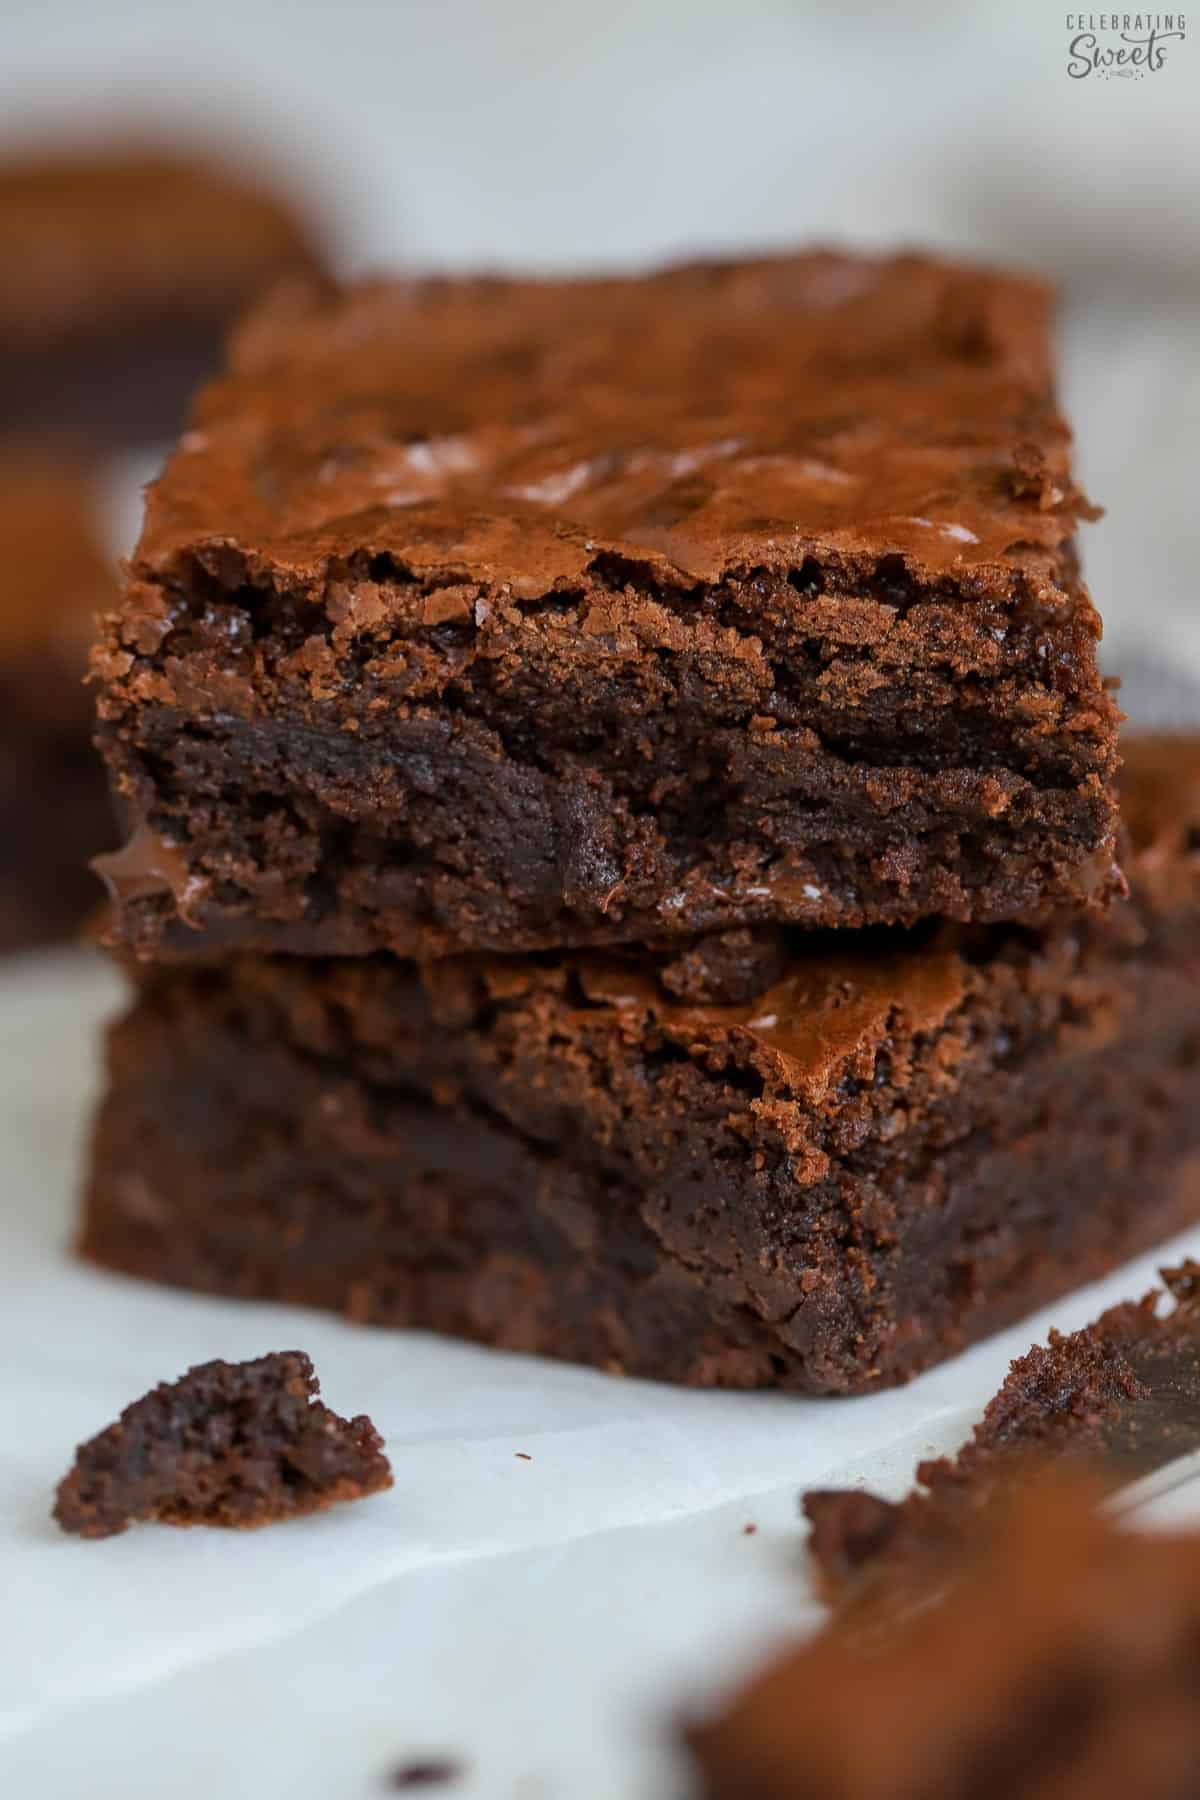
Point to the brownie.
(1066, 1668)
(478, 614)
(1119, 1398)
(123, 269)
(232, 1444)
(55, 810)
(906, 1141)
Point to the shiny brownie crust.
(518, 615)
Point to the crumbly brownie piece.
(491, 615)
(233, 1444)
(427, 1772)
(1121, 1397)
(904, 1143)
(123, 269)
(55, 810)
(1066, 1668)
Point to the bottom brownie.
(768, 1161)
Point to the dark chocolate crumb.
(230, 1444)
(430, 1771)
(849, 1529)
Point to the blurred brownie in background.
(1066, 1668)
(122, 271)
(54, 805)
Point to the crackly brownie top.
(514, 437)
(88, 241)
(54, 575)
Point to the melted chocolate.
(827, 1014)
(149, 864)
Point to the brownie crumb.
(749, 1530)
(522, 1456)
(849, 1528)
(229, 1444)
(437, 1771)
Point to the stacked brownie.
(622, 830)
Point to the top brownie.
(493, 614)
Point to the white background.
(542, 1619)
(568, 132)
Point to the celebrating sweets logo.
(1124, 46)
